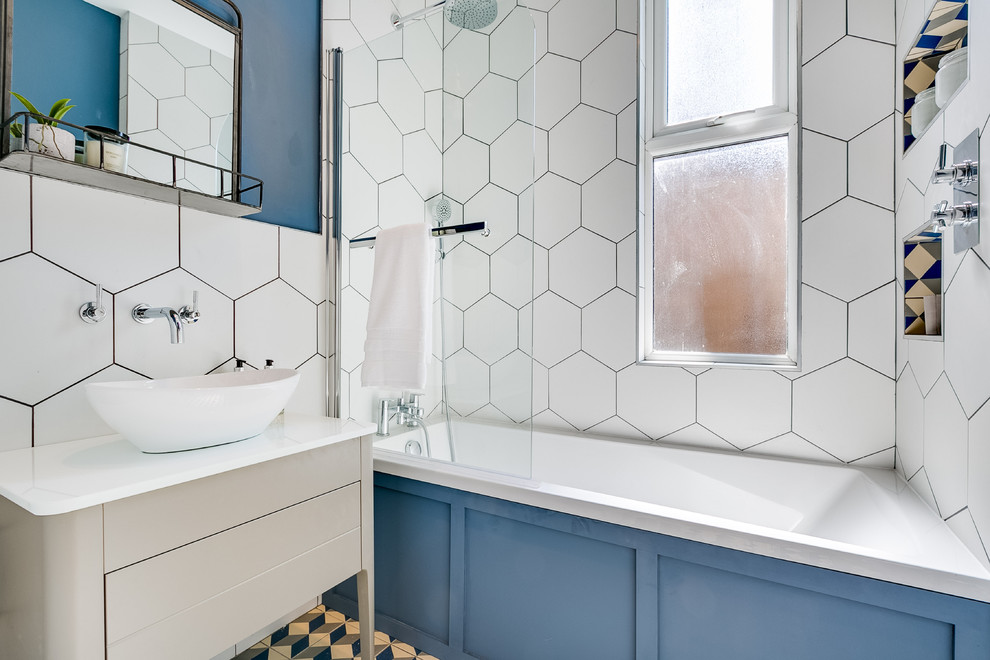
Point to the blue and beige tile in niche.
(324, 634)
(946, 30)
(922, 278)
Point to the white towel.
(398, 346)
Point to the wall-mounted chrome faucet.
(143, 313)
(963, 214)
(94, 311)
(406, 409)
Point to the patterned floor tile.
(323, 634)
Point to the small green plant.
(57, 112)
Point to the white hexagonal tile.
(791, 445)
(526, 329)
(230, 254)
(910, 424)
(872, 19)
(608, 74)
(512, 44)
(626, 146)
(846, 409)
(512, 158)
(156, 70)
(608, 201)
(697, 435)
(421, 51)
(422, 163)
(434, 119)
(827, 112)
(979, 466)
(582, 267)
(399, 203)
(608, 329)
(361, 81)
(656, 416)
(188, 52)
(206, 88)
(871, 322)
(491, 329)
(744, 406)
(184, 123)
(823, 23)
(964, 527)
(372, 21)
(310, 397)
(512, 272)
(824, 178)
(556, 329)
(582, 391)
(302, 262)
(69, 416)
(823, 324)
(375, 142)
(54, 347)
(72, 226)
(151, 165)
(448, 330)
(465, 168)
(500, 209)
(15, 229)
(145, 348)
(627, 15)
(401, 95)
(946, 448)
(856, 235)
(927, 359)
(453, 119)
(560, 89)
(557, 204)
(871, 178)
(625, 253)
(577, 26)
(616, 427)
(490, 108)
(353, 310)
(465, 62)
(966, 327)
(466, 275)
(582, 143)
(360, 203)
(17, 425)
(467, 383)
(541, 387)
(290, 342)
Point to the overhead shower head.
(471, 14)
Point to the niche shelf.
(923, 279)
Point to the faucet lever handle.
(191, 314)
(94, 312)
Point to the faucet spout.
(145, 314)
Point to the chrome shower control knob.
(94, 312)
(190, 314)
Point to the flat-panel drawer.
(151, 591)
(146, 525)
(212, 626)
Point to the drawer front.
(146, 525)
(214, 625)
(151, 591)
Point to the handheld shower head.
(471, 14)
(442, 211)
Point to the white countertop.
(69, 476)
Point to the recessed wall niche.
(923, 284)
(946, 30)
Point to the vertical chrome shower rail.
(335, 236)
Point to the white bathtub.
(861, 521)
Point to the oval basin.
(177, 414)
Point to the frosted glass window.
(720, 57)
(720, 249)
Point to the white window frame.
(658, 139)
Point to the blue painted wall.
(531, 583)
(80, 62)
(280, 127)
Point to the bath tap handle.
(94, 312)
(190, 314)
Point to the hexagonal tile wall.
(290, 341)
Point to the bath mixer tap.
(176, 319)
(406, 409)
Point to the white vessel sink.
(176, 414)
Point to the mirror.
(165, 72)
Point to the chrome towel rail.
(437, 232)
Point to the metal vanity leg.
(366, 614)
(366, 576)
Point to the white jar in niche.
(952, 71)
(923, 111)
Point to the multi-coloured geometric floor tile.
(323, 634)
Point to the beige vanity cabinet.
(191, 569)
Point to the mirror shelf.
(244, 198)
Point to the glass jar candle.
(113, 144)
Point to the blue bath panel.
(528, 583)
